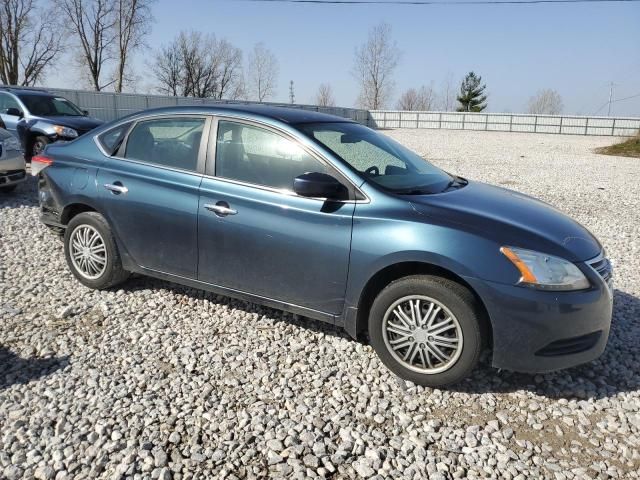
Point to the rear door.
(149, 191)
(257, 236)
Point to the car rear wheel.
(91, 252)
(427, 329)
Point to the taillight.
(39, 163)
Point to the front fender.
(395, 234)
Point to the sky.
(576, 49)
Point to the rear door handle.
(116, 188)
(221, 210)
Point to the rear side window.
(168, 142)
(112, 139)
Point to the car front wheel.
(427, 329)
(91, 252)
(39, 143)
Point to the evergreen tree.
(472, 97)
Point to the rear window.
(112, 139)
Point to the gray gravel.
(161, 381)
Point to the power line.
(614, 101)
(438, 2)
(626, 98)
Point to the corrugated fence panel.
(110, 106)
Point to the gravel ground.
(161, 381)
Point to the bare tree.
(448, 95)
(547, 102)
(92, 23)
(199, 65)
(167, 67)
(324, 96)
(375, 62)
(30, 40)
(132, 24)
(262, 73)
(227, 62)
(423, 99)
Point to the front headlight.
(546, 272)
(12, 144)
(65, 131)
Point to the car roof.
(23, 91)
(283, 114)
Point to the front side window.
(255, 155)
(7, 102)
(43, 105)
(169, 142)
(379, 158)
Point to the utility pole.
(292, 97)
(611, 85)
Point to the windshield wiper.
(419, 190)
(456, 182)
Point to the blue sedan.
(326, 218)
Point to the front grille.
(568, 346)
(603, 266)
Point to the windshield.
(379, 158)
(42, 105)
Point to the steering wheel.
(374, 170)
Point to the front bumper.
(12, 177)
(539, 331)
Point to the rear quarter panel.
(72, 177)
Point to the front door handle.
(116, 188)
(220, 209)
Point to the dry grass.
(628, 148)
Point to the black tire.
(38, 145)
(462, 305)
(113, 273)
(8, 188)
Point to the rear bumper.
(537, 332)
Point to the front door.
(10, 121)
(151, 194)
(257, 236)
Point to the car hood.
(510, 218)
(83, 124)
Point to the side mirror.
(14, 112)
(319, 185)
(86, 113)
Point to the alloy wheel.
(422, 334)
(88, 252)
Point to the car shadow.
(17, 370)
(140, 282)
(616, 371)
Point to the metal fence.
(109, 106)
(506, 122)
